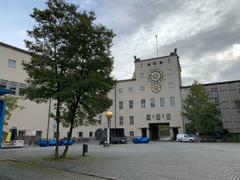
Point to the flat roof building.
(226, 93)
(149, 104)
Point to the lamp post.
(109, 115)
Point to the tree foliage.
(200, 113)
(71, 63)
(12, 104)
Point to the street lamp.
(109, 115)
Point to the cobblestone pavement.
(157, 160)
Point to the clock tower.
(161, 79)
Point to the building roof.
(125, 80)
(14, 48)
(150, 59)
(215, 83)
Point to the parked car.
(185, 138)
(43, 143)
(196, 137)
(141, 140)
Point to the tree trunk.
(57, 132)
(68, 140)
(71, 127)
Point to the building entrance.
(144, 132)
(158, 131)
(175, 132)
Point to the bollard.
(85, 149)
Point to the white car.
(184, 138)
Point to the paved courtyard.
(157, 160)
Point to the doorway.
(175, 132)
(144, 132)
(154, 132)
(159, 131)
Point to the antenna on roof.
(156, 43)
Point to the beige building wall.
(127, 90)
(35, 116)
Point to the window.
(172, 101)
(39, 134)
(120, 90)
(130, 89)
(162, 102)
(80, 134)
(131, 119)
(152, 102)
(120, 104)
(12, 63)
(168, 116)
(149, 64)
(154, 63)
(21, 134)
(214, 94)
(142, 88)
(130, 104)
(160, 62)
(158, 117)
(3, 84)
(168, 60)
(148, 117)
(90, 134)
(141, 75)
(131, 133)
(13, 87)
(120, 120)
(100, 119)
(143, 103)
(68, 134)
(163, 116)
(21, 89)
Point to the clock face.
(155, 76)
(156, 88)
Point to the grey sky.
(206, 33)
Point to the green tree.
(71, 63)
(200, 113)
(88, 72)
(46, 68)
(12, 104)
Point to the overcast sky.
(205, 32)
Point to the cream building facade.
(148, 104)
